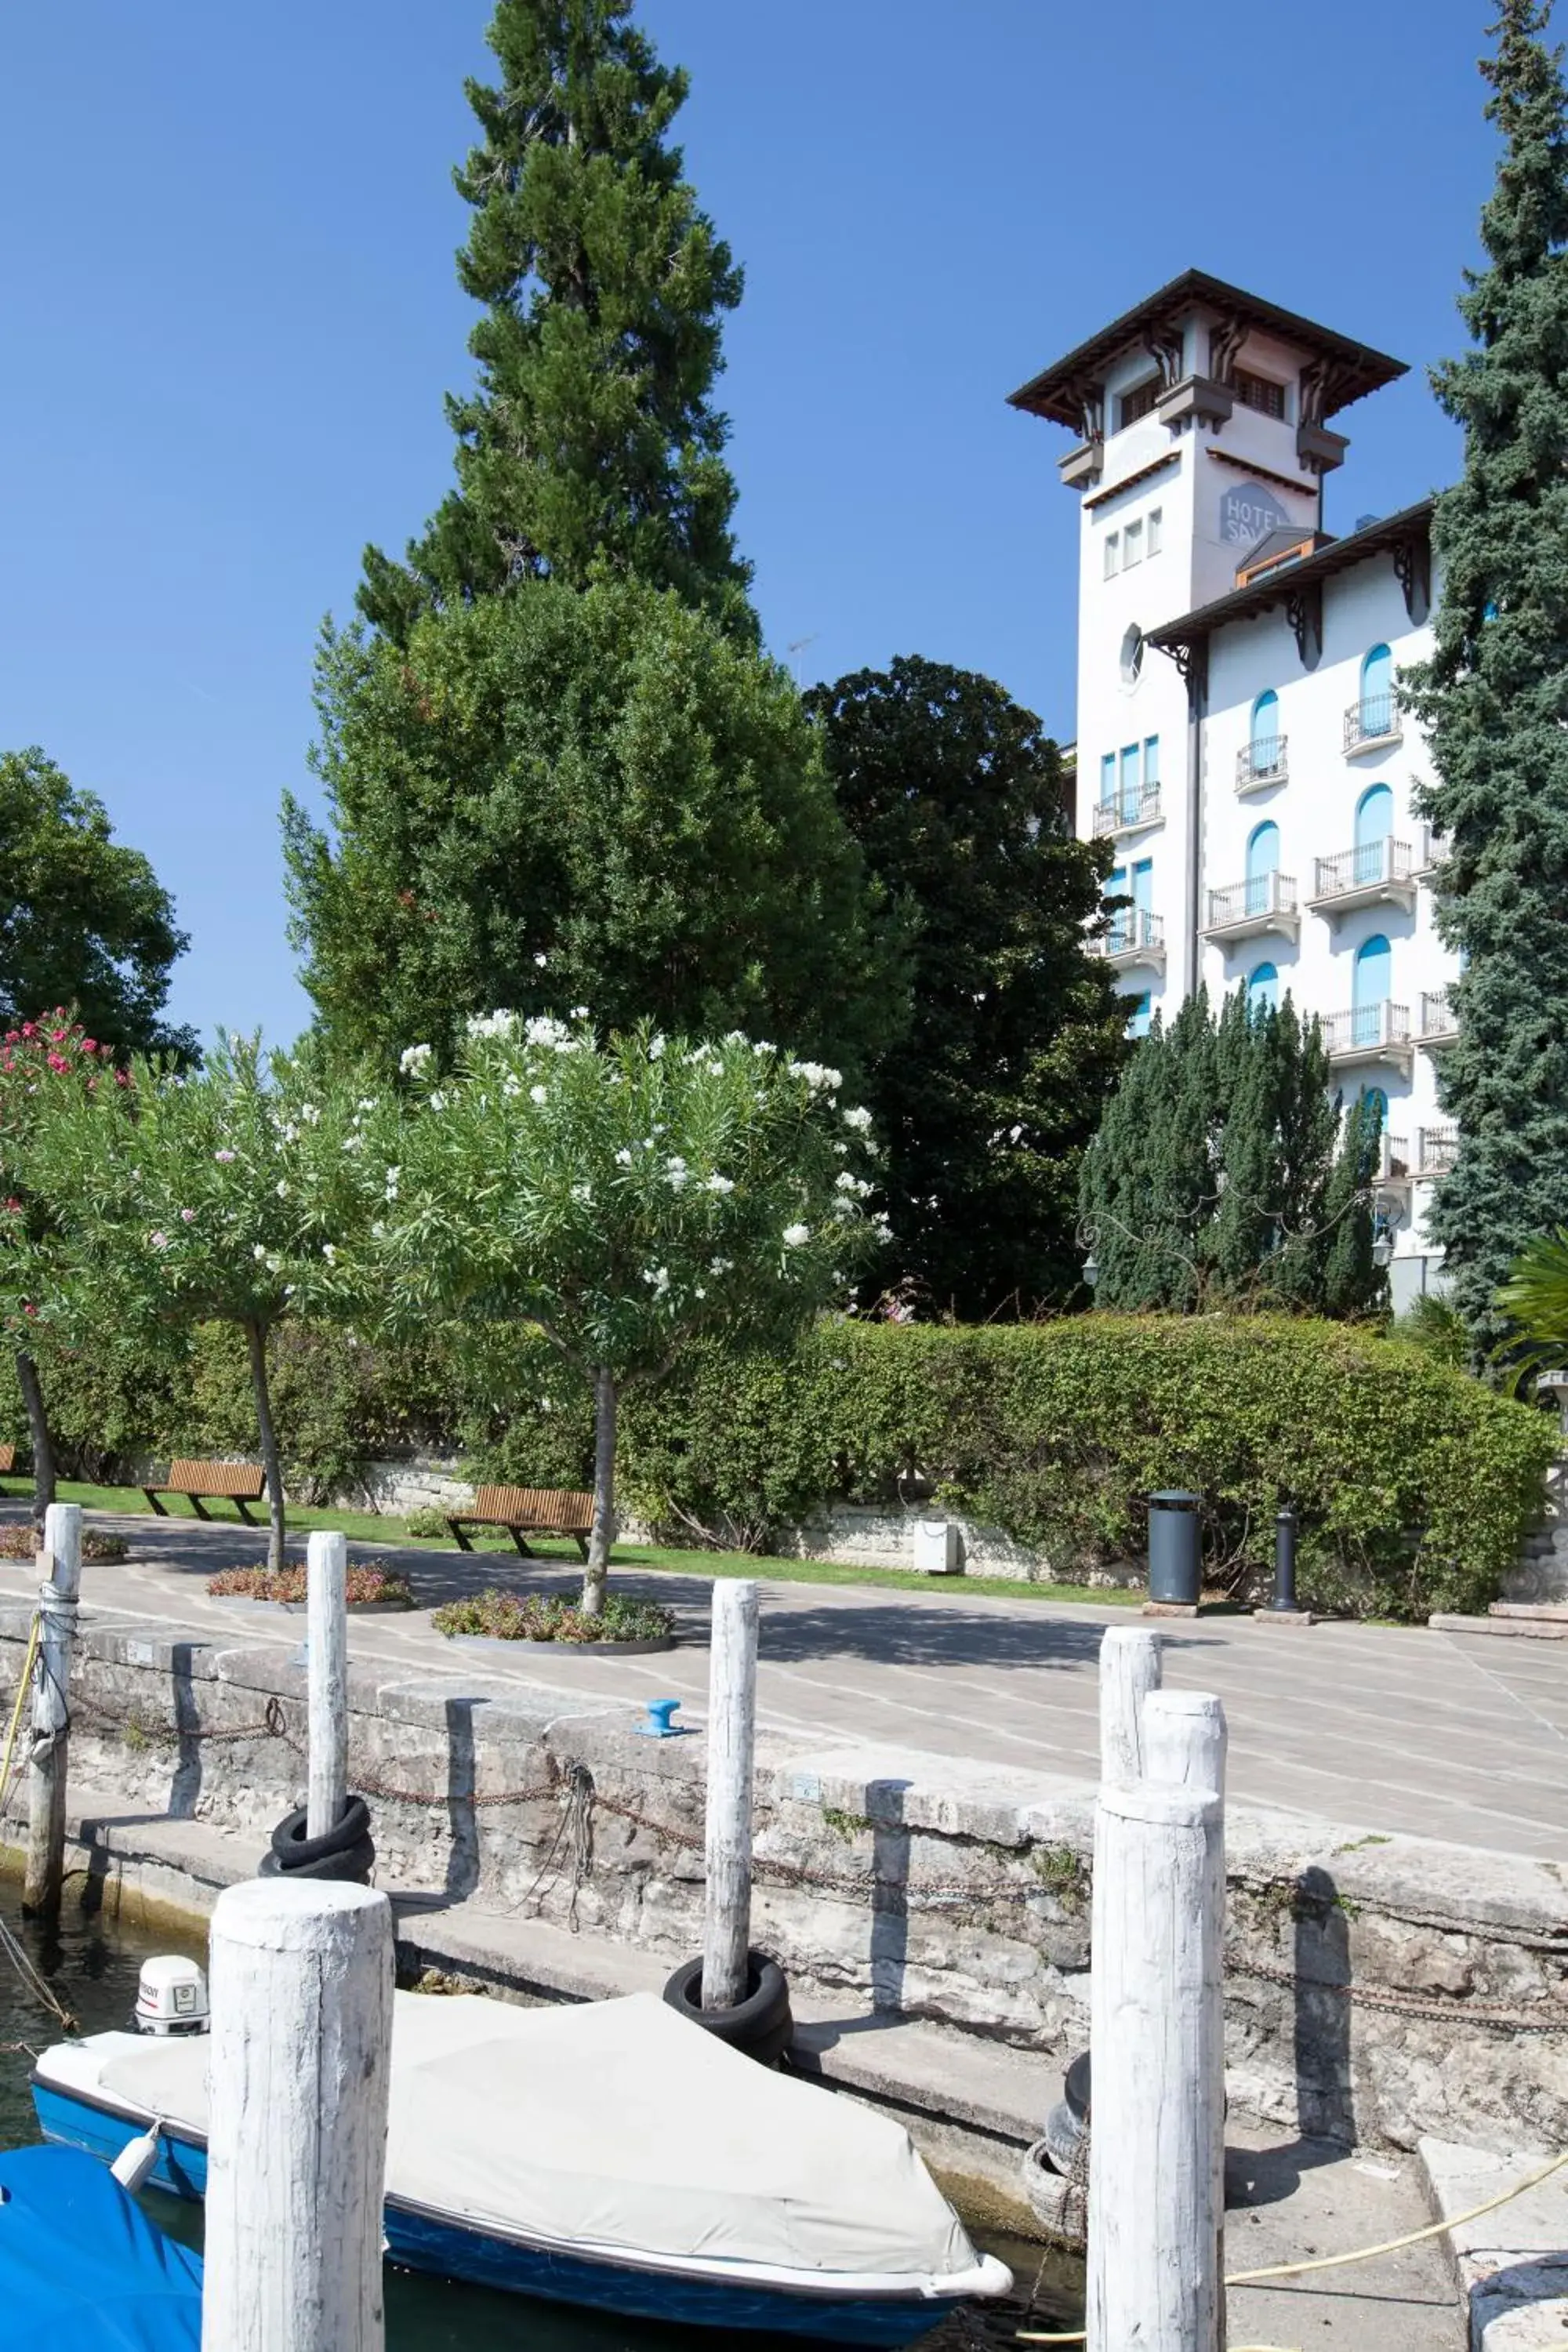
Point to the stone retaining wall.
(914, 1884)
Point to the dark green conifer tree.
(1220, 1174)
(1494, 697)
(590, 435)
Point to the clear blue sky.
(231, 314)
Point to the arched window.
(1262, 988)
(1264, 744)
(1372, 981)
(1262, 865)
(1374, 824)
(1377, 693)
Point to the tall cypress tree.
(590, 434)
(1222, 1170)
(1494, 697)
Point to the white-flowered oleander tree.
(227, 1194)
(623, 1196)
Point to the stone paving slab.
(1435, 1734)
(1513, 2264)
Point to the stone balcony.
(1134, 937)
(1372, 874)
(1369, 1033)
(1253, 909)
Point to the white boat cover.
(622, 2126)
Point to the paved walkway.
(1435, 1734)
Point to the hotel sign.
(1247, 511)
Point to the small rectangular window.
(1143, 885)
(1156, 521)
(1151, 761)
(1257, 392)
(1113, 553)
(1139, 401)
(1131, 546)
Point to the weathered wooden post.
(1156, 2206)
(298, 2077)
(1185, 1739)
(1128, 1670)
(731, 1734)
(327, 1679)
(60, 1561)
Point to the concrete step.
(1510, 2263)
(1531, 1627)
(1551, 1612)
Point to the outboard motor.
(172, 1997)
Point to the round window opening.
(1132, 656)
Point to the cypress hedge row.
(1415, 1482)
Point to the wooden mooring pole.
(298, 2073)
(1156, 2199)
(60, 1561)
(731, 1736)
(1128, 1670)
(327, 1681)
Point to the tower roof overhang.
(1351, 370)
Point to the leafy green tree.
(1224, 1171)
(221, 1196)
(84, 922)
(591, 798)
(986, 1106)
(1494, 697)
(625, 1199)
(42, 1063)
(590, 436)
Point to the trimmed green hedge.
(1415, 1482)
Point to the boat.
(82, 2269)
(612, 2155)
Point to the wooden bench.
(527, 1511)
(7, 1460)
(236, 1482)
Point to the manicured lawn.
(367, 1526)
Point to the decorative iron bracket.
(1413, 569)
(1304, 611)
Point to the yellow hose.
(22, 1688)
(1361, 2255)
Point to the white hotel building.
(1238, 740)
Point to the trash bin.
(1176, 1547)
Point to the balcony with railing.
(1439, 1024)
(1131, 812)
(1371, 722)
(1369, 1032)
(1373, 873)
(1432, 850)
(1437, 1147)
(1134, 936)
(1246, 910)
(1394, 1169)
(1261, 764)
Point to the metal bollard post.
(1285, 1599)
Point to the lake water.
(93, 1967)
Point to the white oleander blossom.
(438, 1100)
(796, 1236)
(539, 1093)
(657, 1277)
(492, 1025)
(818, 1077)
(544, 1030)
(623, 1158)
(720, 1265)
(717, 1183)
(656, 1048)
(329, 1251)
(857, 1117)
(582, 1194)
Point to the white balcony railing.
(1261, 763)
(1128, 811)
(1392, 1159)
(1437, 1147)
(1364, 867)
(1373, 720)
(1437, 1017)
(1367, 1029)
(1260, 896)
(1133, 931)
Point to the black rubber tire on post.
(759, 2027)
(351, 1868)
(294, 1849)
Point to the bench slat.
(541, 1508)
(245, 1481)
(7, 1458)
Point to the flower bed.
(499, 1616)
(23, 1543)
(371, 1585)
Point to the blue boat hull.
(423, 2241)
